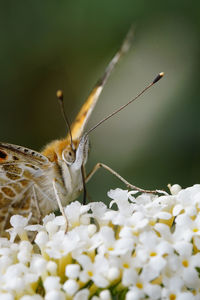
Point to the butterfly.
(39, 183)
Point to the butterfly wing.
(82, 118)
(20, 171)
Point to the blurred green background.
(46, 45)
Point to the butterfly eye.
(69, 156)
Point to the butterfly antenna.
(157, 78)
(60, 97)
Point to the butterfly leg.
(129, 185)
(60, 204)
(37, 204)
(84, 184)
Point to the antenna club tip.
(158, 77)
(59, 94)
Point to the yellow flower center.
(153, 254)
(152, 222)
(185, 263)
(172, 297)
(90, 273)
(135, 233)
(126, 266)
(139, 285)
(195, 229)
(110, 249)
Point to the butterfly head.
(72, 154)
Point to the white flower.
(33, 297)
(71, 287)
(105, 295)
(172, 287)
(60, 245)
(24, 255)
(52, 283)
(82, 295)
(108, 244)
(187, 227)
(113, 273)
(185, 266)
(96, 271)
(98, 211)
(54, 295)
(143, 246)
(142, 288)
(92, 228)
(150, 247)
(6, 296)
(38, 264)
(52, 267)
(75, 213)
(18, 227)
(174, 189)
(72, 271)
(186, 200)
(41, 239)
(125, 207)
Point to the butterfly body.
(27, 176)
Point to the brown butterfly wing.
(20, 169)
(82, 118)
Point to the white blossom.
(71, 287)
(141, 246)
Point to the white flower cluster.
(145, 246)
